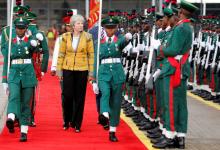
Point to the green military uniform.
(111, 75)
(21, 77)
(175, 106)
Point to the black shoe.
(165, 143)
(33, 124)
(157, 140)
(112, 137)
(189, 87)
(154, 130)
(154, 135)
(10, 125)
(180, 142)
(142, 123)
(132, 114)
(104, 121)
(77, 129)
(148, 126)
(66, 126)
(23, 137)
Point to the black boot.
(23, 137)
(112, 137)
(10, 125)
(165, 143)
(154, 135)
(181, 142)
(154, 130)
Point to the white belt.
(21, 61)
(178, 57)
(110, 60)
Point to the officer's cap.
(30, 15)
(188, 6)
(110, 22)
(21, 23)
(168, 12)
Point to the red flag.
(94, 13)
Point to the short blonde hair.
(76, 18)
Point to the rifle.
(141, 77)
(204, 56)
(215, 54)
(191, 50)
(208, 55)
(148, 74)
(126, 67)
(131, 72)
(198, 58)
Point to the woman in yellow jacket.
(75, 66)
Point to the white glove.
(211, 47)
(33, 43)
(156, 74)
(95, 88)
(156, 44)
(42, 74)
(5, 87)
(39, 36)
(202, 44)
(128, 36)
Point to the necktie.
(109, 40)
(20, 41)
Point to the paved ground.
(204, 123)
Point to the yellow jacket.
(80, 60)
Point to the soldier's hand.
(95, 88)
(5, 87)
(53, 72)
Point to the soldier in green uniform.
(111, 75)
(175, 72)
(21, 77)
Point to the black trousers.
(74, 91)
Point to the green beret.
(159, 16)
(188, 6)
(110, 22)
(21, 23)
(168, 12)
(30, 16)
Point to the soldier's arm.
(44, 64)
(5, 65)
(176, 43)
(123, 43)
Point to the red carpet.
(49, 135)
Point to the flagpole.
(99, 37)
(87, 9)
